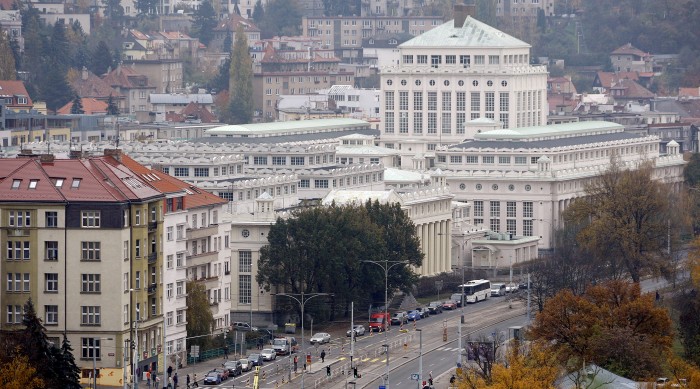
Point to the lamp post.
(386, 267)
(420, 358)
(94, 360)
(461, 318)
(135, 354)
(302, 298)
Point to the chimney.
(115, 153)
(84, 74)
(46, 158)
(461, 12)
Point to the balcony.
(152, 226)
(202, 258)
(209, 282)
(152, 257)
(204, 232)
(152, 288)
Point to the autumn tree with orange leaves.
(612, 325)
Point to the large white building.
(519, 181)
(457, 72)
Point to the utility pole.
(420, 358)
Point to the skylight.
(76, 183)
(16, 184)
(32, 184)
(59, 182)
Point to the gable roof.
(231, 24)
(10, 88)
(628, 49)
(473, 33)
(101, 179)
(91, 106)
(632, 89)
(607, 79)
(192, 110)
(126, 77)
(86, 84)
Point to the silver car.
(268, 354)
(320, 338)
(359, 330)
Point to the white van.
(498, 289)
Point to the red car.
(449, 305)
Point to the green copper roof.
(473, 33)
(297, 126)
(552, 131)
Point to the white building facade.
(519, 181)
(460, 71)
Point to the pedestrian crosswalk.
(448, 349)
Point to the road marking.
(383, 360)
(341, 358)
(374, 360)
(365, 360)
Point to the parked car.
(399, 318)
(449, 305)
(359, 330)
(320, 338)
(424, 312)
(511, 288)
(268, 354)
(223, 372)
(523, 285)
(284, 345)
(234, 368)
(414, 315)
(245, 364)
(212, 378)
(498, 289)
(457, 299)
(241, 326)
(255, 360)
(435, 307)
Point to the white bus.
(476, 290)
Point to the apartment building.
(195, 248)
(82, 240)
(291, 71)
(461, 71)
(344, 34)
(524, 9)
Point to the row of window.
(464, 59)
(488, 159)
(511, 226)
(356, 180)
(511, 209)
(88, 219)
(90, 315)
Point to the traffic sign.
(415, 377)
(382, 387)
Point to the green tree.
(69, 369)
(200, 320)
(691, 172)
(338, 7)
(281, 17)
(147, 7)
(240, 106)
(19, 373)
(55, 89)
(7, 59)
(112, 108)
(222, 77)
(258, 12)
(204, 22)
(35, 345)
(323, 249)
(101, 58)
(625, 220)
(77, 107)
(114, 11)
(60, 50)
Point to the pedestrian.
(188, 381)
(453, 379)
(296, 361)
(328, 370)
(323, 356)
(175, 381)
(156, 382)
(194, 380)
(148, 379)
(170, 382)
(430, 378)
(225, 352)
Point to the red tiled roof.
(7, 4)
(90, 106)
(231, 24)
(102, 179)
(174, 35)
(690, 92)
(9, 88)
(166, 183)
(126, 77)
(86, 84)
(632, 89)
(629, 49)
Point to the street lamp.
(301, 298)
(386, 267)
(94, 360)
(420, 358)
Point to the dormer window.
(371, 41)
(393, 41)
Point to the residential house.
(383, 49)
(628, 58)
(14, 95)
(91, 106)
(166, 75)
(87, 85)
(227, 27)
(174, 103)
(135, 88)
(192, 113)
(11, 23)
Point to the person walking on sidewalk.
(194, 381)
(296, 361)
(188, 381)
(323, 356)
